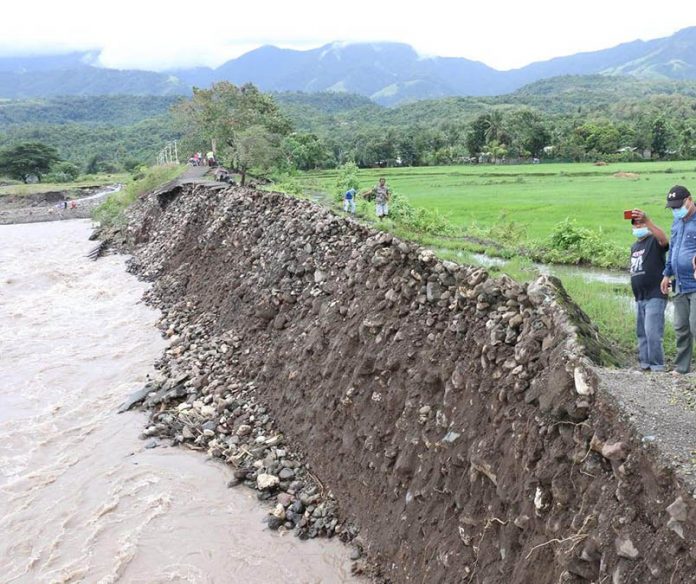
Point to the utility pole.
(169, 154)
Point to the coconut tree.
(494, 126)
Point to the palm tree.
(497, 150)
(494, 126)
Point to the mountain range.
(387, 73)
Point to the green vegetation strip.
(111, 212)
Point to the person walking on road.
(647, 266)
(681, 266)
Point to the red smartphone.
(628, 214)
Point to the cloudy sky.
(503, 34)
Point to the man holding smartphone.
(647, 265)
(680, 265)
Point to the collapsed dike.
(451, 425)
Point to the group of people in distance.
(65, 204)
(658, 266)
(199, 160)
(380, 193)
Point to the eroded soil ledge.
(354, 379)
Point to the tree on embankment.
(26, 160)
(243, 124)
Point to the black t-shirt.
(647, 264)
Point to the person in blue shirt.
(349, 201)
(681, 266)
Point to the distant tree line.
(499, 136)
(97, 147)
(568, 119)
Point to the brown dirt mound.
(629, 175)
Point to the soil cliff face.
(454, 417)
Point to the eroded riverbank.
(457, 418)
(82, 498)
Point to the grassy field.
(522, 204)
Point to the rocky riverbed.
(355, 381)
(49, 206)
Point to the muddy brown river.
(81, 498)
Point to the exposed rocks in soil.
(354, 380)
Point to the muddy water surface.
(81, 498)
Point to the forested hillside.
(120, 110)
(566, 118)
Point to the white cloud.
(504, 34)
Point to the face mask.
(681, 212)
(640, 232)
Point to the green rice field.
(535, 197)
